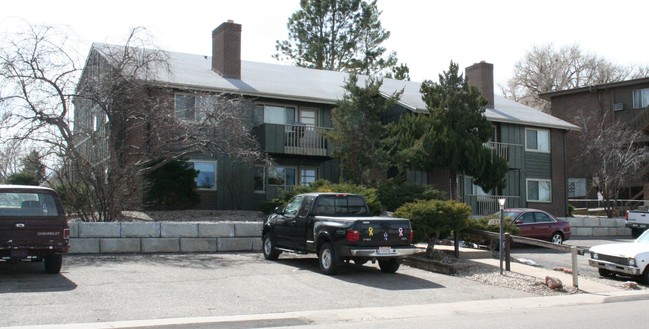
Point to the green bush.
(22, 179)
(75, 198)
(489, 223)
(394, 193)
(432, 218)
(172, 187)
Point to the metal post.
(575, 267)
(501, 246)
(500, 240)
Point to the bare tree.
(123, 119)
(612, 152)
(546, 69)
(10, 155)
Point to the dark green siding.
(538, 165)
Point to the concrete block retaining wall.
(161, 237)
(180, 237)
(598, 226)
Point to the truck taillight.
(66, 233)
(411, 236)
(353, 235)
(627, 215)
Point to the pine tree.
(338, 35)
(451, 136)
(358, 130)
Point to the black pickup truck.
(337, 227)
(33, 226)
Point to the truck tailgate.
(43, 232)
(384, 231)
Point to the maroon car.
(538, 224)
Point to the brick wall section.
(164, 237)
(595, 102)
(226, 50)
(481, 76)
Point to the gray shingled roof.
(295, 83)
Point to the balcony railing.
(513, 153)
(305, 140)
(293, 139)
(483, 205)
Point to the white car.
(626, 258)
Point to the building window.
(260, 179)
(539, 190)
(281, 176)
(281, 115)
(640, 98)
(206, 178)
(308, 176)
(191, 107)
(537, 140)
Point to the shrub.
(172, 187)
(432, 218)
(22, 179)
(489, 223)
(394, 193)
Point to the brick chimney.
(481, 76)
(226, 50)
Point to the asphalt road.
(103, 288)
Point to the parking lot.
(132, 287)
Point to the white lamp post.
(501, 202)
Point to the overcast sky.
(426, 34)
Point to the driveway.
(130, 287)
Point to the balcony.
(513, 153)
(292, 139)
(483, 205)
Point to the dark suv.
(33, 226)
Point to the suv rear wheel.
(53, 263)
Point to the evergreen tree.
(22, 179)
(337, 35)
(33, 166)
(172, 186)
(451, 136)
(358, 130)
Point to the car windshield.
(644, 238)
(28, 203)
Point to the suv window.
(23, 204)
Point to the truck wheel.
(636, 232)
(389, 265)
(53, 263)
(605, 273)
(327, 259)
(557, 238)
(268, 248)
